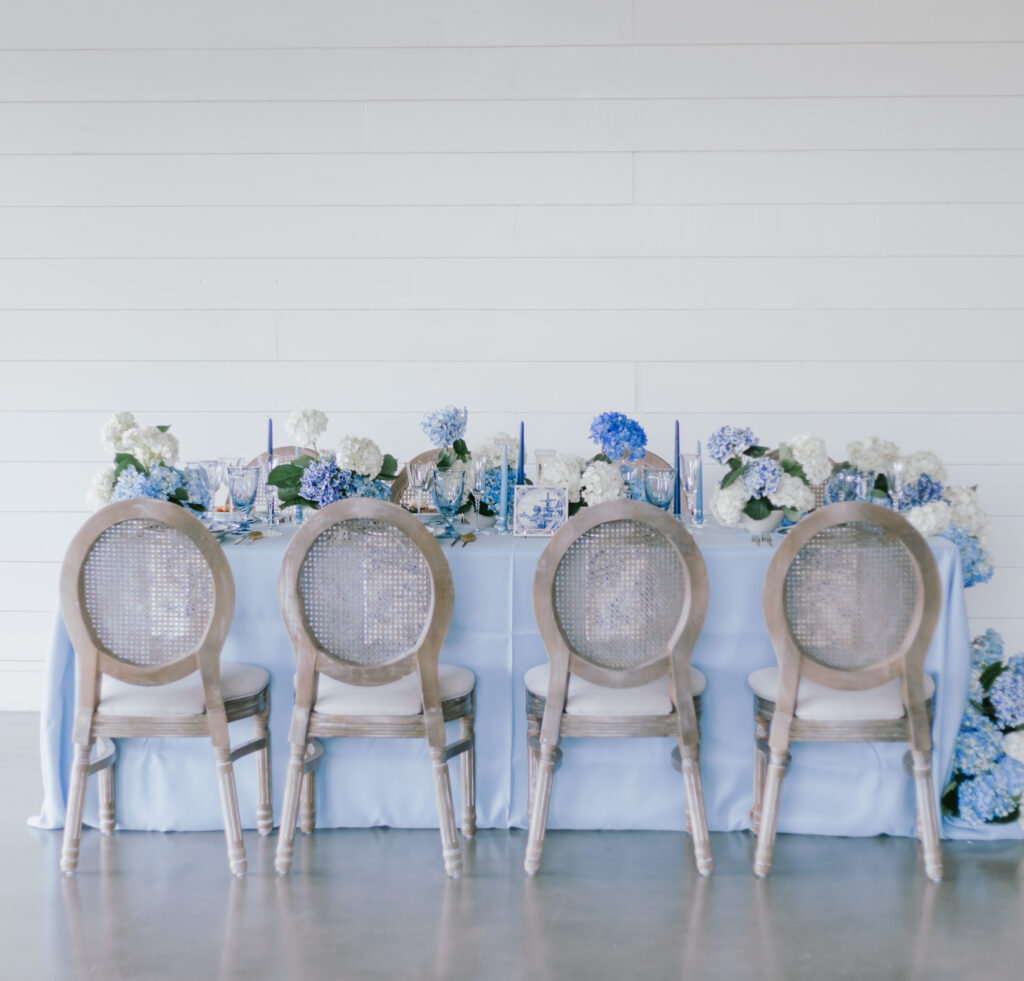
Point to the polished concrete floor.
(376, 904)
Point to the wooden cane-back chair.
(366, 595)
(281, 453)
(851, 600)
(651, 461)
(147, 597)
(401, 493)
(619, 595)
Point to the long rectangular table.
(831, 789)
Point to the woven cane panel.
(366, 591)
(850, 595)
(619, 591)
(148, 592)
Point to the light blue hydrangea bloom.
(974, 560)
(443, 428)
(924, 491)
(1007, 694)
(977, 749)
(985, 798)
(986, 649)
(198, 491)
(730, 441)
(616, 434)
(324, 483)
(159, 484)
(490, 496)
(361, 486)
(839, 487)
(762, 477)
(1009, 773)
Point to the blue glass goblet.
(447, 489)
(243, 483)
(660, 486)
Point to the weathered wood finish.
(95, 661)
(776, 724)
(547, 720)
(309, 725)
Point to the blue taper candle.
(521, 469)
(503, 500)
(270, 442)
(676, 496)
(698, 511)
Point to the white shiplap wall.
(797, 215)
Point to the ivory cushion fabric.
(181, 697)
(400, 697)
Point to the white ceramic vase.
(761, 526)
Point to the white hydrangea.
(602, 482)
(727, 505)
(149, 445)
(113, 431)
(564, 470)
(793, 493)
(872, 454)
(967, 513)
(1013, 745)
(931, 518)
(490, 451)
(101, 489)
(924, 462)
(362, 456)
(307, 425)
(809, 451)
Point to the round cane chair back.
(401, 493)
(619, 589)
(854, 593)
(366, 588)
(147, 587)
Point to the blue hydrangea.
(159, 484)
(730, 441)
(198, 490)
(1009, 773)
(324, 483)
(977, 749)
(974, 560)
(490, 496)
(985, 798)
(987, 649)
(1007, 694)
(616, 434)
(361, 486)
(840, 487)
(443, 428)
(924, 491)
(762, 477)
(973, 718)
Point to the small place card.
(540, 511)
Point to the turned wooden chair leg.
(108, 807)
(532, 758)
(695, 813)
(446, 814)
(467, 777)
(264, 805)
(229, 810)
(927, 817)
(538, 820)
(76, 805)
(760, 768)
(769, 813)
(290, 809)
(307, 803)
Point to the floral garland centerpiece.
(357, 467)
(757, 485)
(144, 458)
(988, 758)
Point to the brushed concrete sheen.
(376, 904)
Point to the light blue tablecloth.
(831, 788)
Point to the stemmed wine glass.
(214, 479)
(448, 486)
(243, 483)
(479, 472)
(896, 477)
(659, 487)
(632, 478)
(689, 473)
(419, 471)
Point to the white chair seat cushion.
(400, 697)
(817, 703)
(586, 698)
(181, 697)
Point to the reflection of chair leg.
(264, 806)
(926, 814)
(695, 813)
(290, 809)
(769, 813)
(76, 804)
(467, 777)
(760, 767)
(307, 803)
(229, 809)
(539, 809)
(446, 813)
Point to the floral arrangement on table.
(144, 458)
(988, 759)
(757, 485)
(927, 501)
(446, 429)
(356, 468)
(490, 453)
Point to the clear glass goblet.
(633, 479)
(448, 486)
(419, 471)
(214, 479)
(243, 482)
(478, 471)
(660, 487)
(689, 474)
(896, 477)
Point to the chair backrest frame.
(908, 659)
(679, 649)
(424, 654)
(401, 483)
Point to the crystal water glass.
(243, 482)
(689, 475)
(214, 479)
(478, 471)
(660, 487)
(200, 479)
(896, 477)
(448, 486)
(632, 478)
(419, 472)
